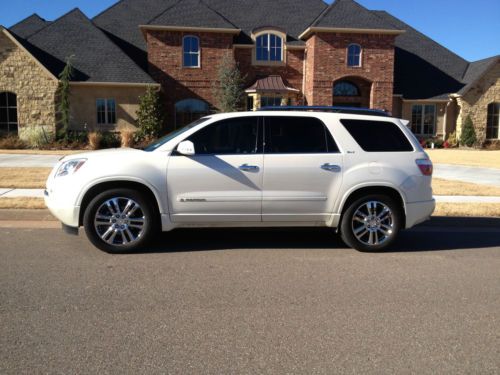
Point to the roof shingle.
(29, 26)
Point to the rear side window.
(377, 136)
(297, 135)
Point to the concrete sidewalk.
(28, 160)
(475, 175)
(38, 193)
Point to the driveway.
(252, 302)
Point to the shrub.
(228, 91)
(36, 136)
(110, 140)
(468, 137)
(127, 138)
(95, 140)
(12, 142)
(150, 115)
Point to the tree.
(150, 115)
(468, 135)
(229, 91)
(63, 102)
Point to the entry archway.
(352, 92)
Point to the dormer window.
(191, 51)
(354, 55)
(269, 47)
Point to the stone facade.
(83, 111)
(476, 100)
(33, 85)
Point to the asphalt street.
(252, 302)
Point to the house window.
(269, 48)
(270, 101)
(493, 122)
(423, 119)
(345, 88)
(354, 55)
(189, 110)
(106, 111)
(191, 51)
(8, 112)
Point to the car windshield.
(160, 142)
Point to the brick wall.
(326, 63)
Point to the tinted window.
(232, 136)
(297, 135)
(377, 136)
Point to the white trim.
(421, 125)
(16, 42)
(360, 56)
(416, 101)
(192, 29)
(314, 29)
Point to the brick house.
(290, 52)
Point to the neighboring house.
(290, 52)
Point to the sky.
(469, 28)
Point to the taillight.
(425, 166)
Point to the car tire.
(120, 220)
(371, 223)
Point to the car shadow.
(437, 234)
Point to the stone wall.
(34, 86)
(475, 101)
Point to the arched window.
(189, 110)
(493, 122)
(191, 51)
(354, 55)
(345, 88)
(269, 47)
(8, 112)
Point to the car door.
(222, 181)
(302, 170)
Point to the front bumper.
(67, 214)
(419, 212)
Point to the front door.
(222, 182)
(303, 170)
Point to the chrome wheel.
(373, 223)
(119, 221)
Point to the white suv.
(360, 172)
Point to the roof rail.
(334, 109)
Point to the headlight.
(69, 167)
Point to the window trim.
(269, 32)
(360, 65)
(492, 104)
(198, 53)
(7, 108)
(421, 125)
(106, 112)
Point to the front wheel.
(371, 223)
(119, 220)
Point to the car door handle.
(249, 168)
(331, 167)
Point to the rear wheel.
(371, 223)
(119, 220)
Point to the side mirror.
(186, 148)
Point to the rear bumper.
(67, 214)
(418, 212)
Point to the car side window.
(297, 135)
(232, 136)
(377, 136)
